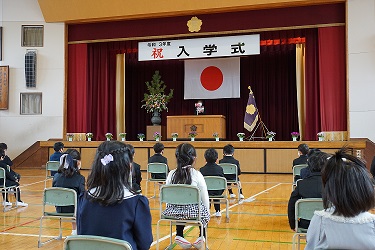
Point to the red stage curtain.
(77, 89)
(332, 78)
(312, 88)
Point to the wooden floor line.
(28, 235)
(230, 207)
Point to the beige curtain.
(120, 94)
(300, 76)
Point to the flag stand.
(264, 130)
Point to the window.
(32, 35)
(31, 103)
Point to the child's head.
(228, 149)
(347, 185)
(210, 155)
(158, 148)
(110, 172)
(58, 146)
(70, 162)
(317, 161)
(185, 156)
(303, 149)
(132, 150)
(4, 147)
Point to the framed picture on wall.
(4, 87)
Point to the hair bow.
(106, 159)
(64, 159)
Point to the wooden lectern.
(206, 125)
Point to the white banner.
(212, 78)
(199, 48)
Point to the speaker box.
(30, 69)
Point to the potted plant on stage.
(270, 135)
(70, 136)
(320, 136)
(109, 136)
(156, 100)
(89, 136)
(122, 136)
(174, 136)
(140, 136)
(241, 136)
(157, 136)
(216, 136)
(294, 135)
(192, 135)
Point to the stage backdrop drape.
(332, 76)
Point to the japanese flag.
(212, 78)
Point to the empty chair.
(53, 197)
(92, 242)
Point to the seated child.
(136, 173)
(59, 150)
(212, 169)
(158, 158)
(228, 152)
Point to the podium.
(206, 126)
(155, 128)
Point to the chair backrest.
(157, 168)
(180, 194)
(57, 196)
(52, 165)
(305, 208)
(2, 176)
(83, 242)
(229, 168)
(297, 169)
(215, 183)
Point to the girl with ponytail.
(186, 174)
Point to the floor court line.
(251, 198)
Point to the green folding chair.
(50, 166)
(156, 168)
(216, 183)
(231, 169)
(179, 194)
(297, 171)
(7, 190)
(304, 209)
(92, 242)
(53, 197)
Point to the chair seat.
(59, 214)
(153, 179)
(217, 196)
(174, 218)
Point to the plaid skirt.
(186, 212)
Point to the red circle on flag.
(212, 78)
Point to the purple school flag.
(251, 113)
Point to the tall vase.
(156, 119)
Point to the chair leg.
(40, 233)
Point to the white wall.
(21, 131)
(361, 63)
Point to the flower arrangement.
(193, 134)
(294, 134)
(270, 134)
(89, 135)
(320, 135)
(199, 108)
(157, 135)
(109, 136)
(174, 135)
(215, 135)
(70, 136)
(122, 135)
(140, 136)
(241, 135)
(156, 100)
